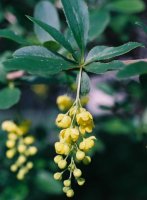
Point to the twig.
(134, 61)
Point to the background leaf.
(99, 68)
(9, 97)
(55, 34)
(134, 69)
(126, 6)
(38, 65)
(6, 33)
(76, 13)
(33, 51)
(99, 19)
(46, 12)
(46, 183)
(143, 26)
(104, 53)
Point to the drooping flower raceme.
(74, 144)
(20, 147)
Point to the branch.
(19, 74)
(126, 62)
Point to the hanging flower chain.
(20, 147)
(73, 144)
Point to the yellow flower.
(9, 126)
(64, 102)
(70, 193)
(21, 148)
(32, 150)
(63, 121)
(29, 165)
(74, 110)
(28, 140)
(21, 159)
(13, 168)
(84, 100)
(85, 120)
(69, 134)
(12, 136)
(10, 153)
(10, 143)
(24, 127)
(80, 155)
(62, 148)
(58, 176)
(80, 181)
(87, 143)
(74, 133)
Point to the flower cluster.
(19, 147)
(73, 145)
(64, 102)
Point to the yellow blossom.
(63, 121)
(87, 143)
(64, 102)
(9, 126)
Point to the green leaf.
(105, 87)
(2, 73)
(9, 97)
(5, 33)
(143, 26)
(54, 33)
(117, 126)
(85, 84)
(99, 53)
(134, 69)
(76, 13)
(33, 51)
(38, 65)
(46, 12)
(52, 45)
(125, 6)
(99, 68)
(99, 20)
(46, 183)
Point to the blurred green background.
(119, 167)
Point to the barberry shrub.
(46, 60)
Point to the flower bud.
(80, 155)
(87, 160)
(12, 136)
(21, 148)
(67, 183)
(80, 181)
(32, 150)
(64, 102)
(10, 153)
(70, 193)
(9, 126)
(13, 168)
(62, 164)
(57, 159)
(77, 173)
(21, 160)
(65, 189)
(10, 143)
(28, 140)
(58, 176)
(29, 165)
